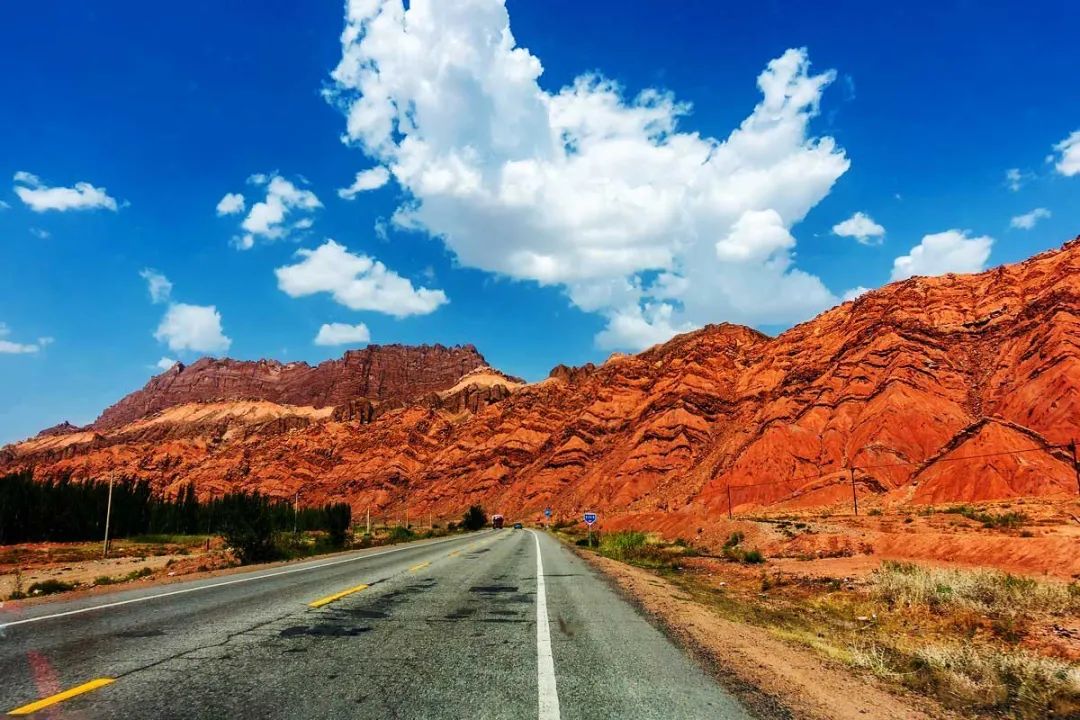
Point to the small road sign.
(547, 512)
(590, 518)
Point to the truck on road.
(497, 521)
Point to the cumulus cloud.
(861, 227)
(192, 327)
(1028, 220)
(342, 334)
(40, 234)
(656, 228)
(952, 251)
(231, 204)
(166, 363)
(9, 347)
(855, 292)
(159, 286)
(42, 198)
(285, 209)
(358, 282)
(1067, 161)
(372, 179)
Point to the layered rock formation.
(378, 373)
(917, 388)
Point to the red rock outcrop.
(918, 388)
(378, 373)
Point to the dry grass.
(991, 592)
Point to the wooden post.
(729, 516)
(369, 520)
(854, 497)
(108, 516)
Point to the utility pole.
(854, 497)
(108, 516)
(1076, 466)
(295, 512)
(729, 516)
(369, 520)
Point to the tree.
(474, 518)
(338, 519)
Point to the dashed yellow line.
(60, 697)
(454, 554)
(336, 596)
(421, 566)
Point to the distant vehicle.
(517, 526)
(497, 521)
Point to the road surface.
(500, 624)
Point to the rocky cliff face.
(378, 373)
(915, 386)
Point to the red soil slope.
(914, 385)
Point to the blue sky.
(614, 174)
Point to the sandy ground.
(773, 678)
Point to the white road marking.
(305, 568)
(545, 663)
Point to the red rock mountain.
(378, 373)
(916, 388)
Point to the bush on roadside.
(50, 587)
(474, 518)
(400, 533)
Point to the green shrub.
(622, 545)
(50, 587)
(474, 518)
(400, 533)
(733, 540)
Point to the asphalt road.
(462, 628)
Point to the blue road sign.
(547, 512)
(590, 518)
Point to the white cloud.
(951, 251)
(854, 293)
(270, 218)
(157, 284)
(41, 198)
(655, 228)
(366, 180)
(231, 204)
(4, 205)
(1068, 161)
(1028, 220)
(1015, 178)
(192, 327)
(342, 334)
(9, 347)
(861, 227)
(166, 363)
(358, 282)
(39, 233)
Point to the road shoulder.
(748, 660)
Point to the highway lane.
(462, 629)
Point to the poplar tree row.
(63, 510)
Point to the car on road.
(517, 526)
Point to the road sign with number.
(590, 518)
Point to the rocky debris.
(64, 428)
(915, 383)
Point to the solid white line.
(305, 568)
(545, 663)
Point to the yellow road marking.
(421, 566)
(453, 554)
(60, 697)
(336, 596)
